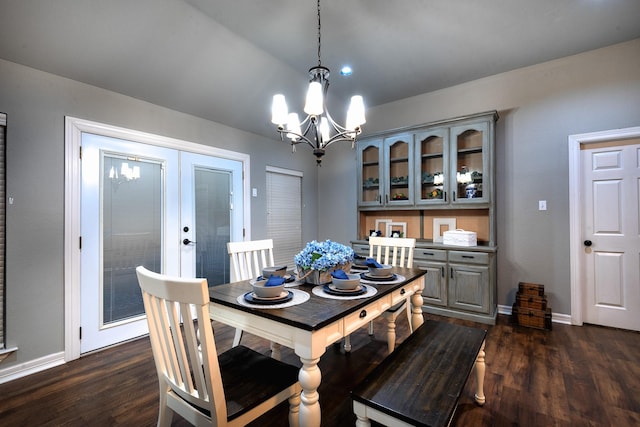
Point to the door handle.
(588, 243)
(187, 242)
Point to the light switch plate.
(542, 205)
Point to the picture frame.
(381, 225)
(396, 229)
(439, 225)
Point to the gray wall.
(36, 104)
(539, 107)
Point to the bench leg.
(360, 410)
(362, 422)
(480, 369)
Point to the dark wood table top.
(314, 314)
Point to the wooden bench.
(419, 384)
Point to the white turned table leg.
(391, 331)
(480, 370)
(294, 411)
(309, 378)
(417, 319)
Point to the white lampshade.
(355, 114)
(324, 128)
(293, 126)
(313, 105)
(279, 110)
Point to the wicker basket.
(316, 277)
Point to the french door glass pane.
(213, 219)
(131, 232)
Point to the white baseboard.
(31, 367)
(555, 317)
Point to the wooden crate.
(530, 289)
(540, 319)
(535, 302)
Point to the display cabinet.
(437, 171)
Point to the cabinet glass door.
(398, 170)
(470, 163)
(370, 176)
(431, 179)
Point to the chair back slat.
(182, 340)
(249, 258)
(395, 251)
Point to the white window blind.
(3, 125)
(284, 213)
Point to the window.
(284, 213)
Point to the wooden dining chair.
(398, 252)
(231, 389)
(248, 258)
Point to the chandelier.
(320, 130)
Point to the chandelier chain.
(319, 61)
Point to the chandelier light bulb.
(279, 110)
(355, 114)
(293, 127)
(313, 106)
(324, 128)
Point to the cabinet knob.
(402, 291)
(588, 243)
(363, 314)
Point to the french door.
(170, 210)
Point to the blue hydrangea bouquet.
(318, 259)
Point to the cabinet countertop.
(428, 244)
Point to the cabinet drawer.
(430, 254)
(469, 257)
(364, 316)
(401, 294)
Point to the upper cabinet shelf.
(442, 165)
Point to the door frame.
(74, 127)
(577, 270)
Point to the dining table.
(309, 327)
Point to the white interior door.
(147, 205)
(611, 232)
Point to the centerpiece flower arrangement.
(318, 259)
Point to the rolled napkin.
(275, 281)
(373, 263)
(339, 274)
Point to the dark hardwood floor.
(571, 376)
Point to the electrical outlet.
(542, 205)
(254, 192)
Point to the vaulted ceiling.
(223, 60)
